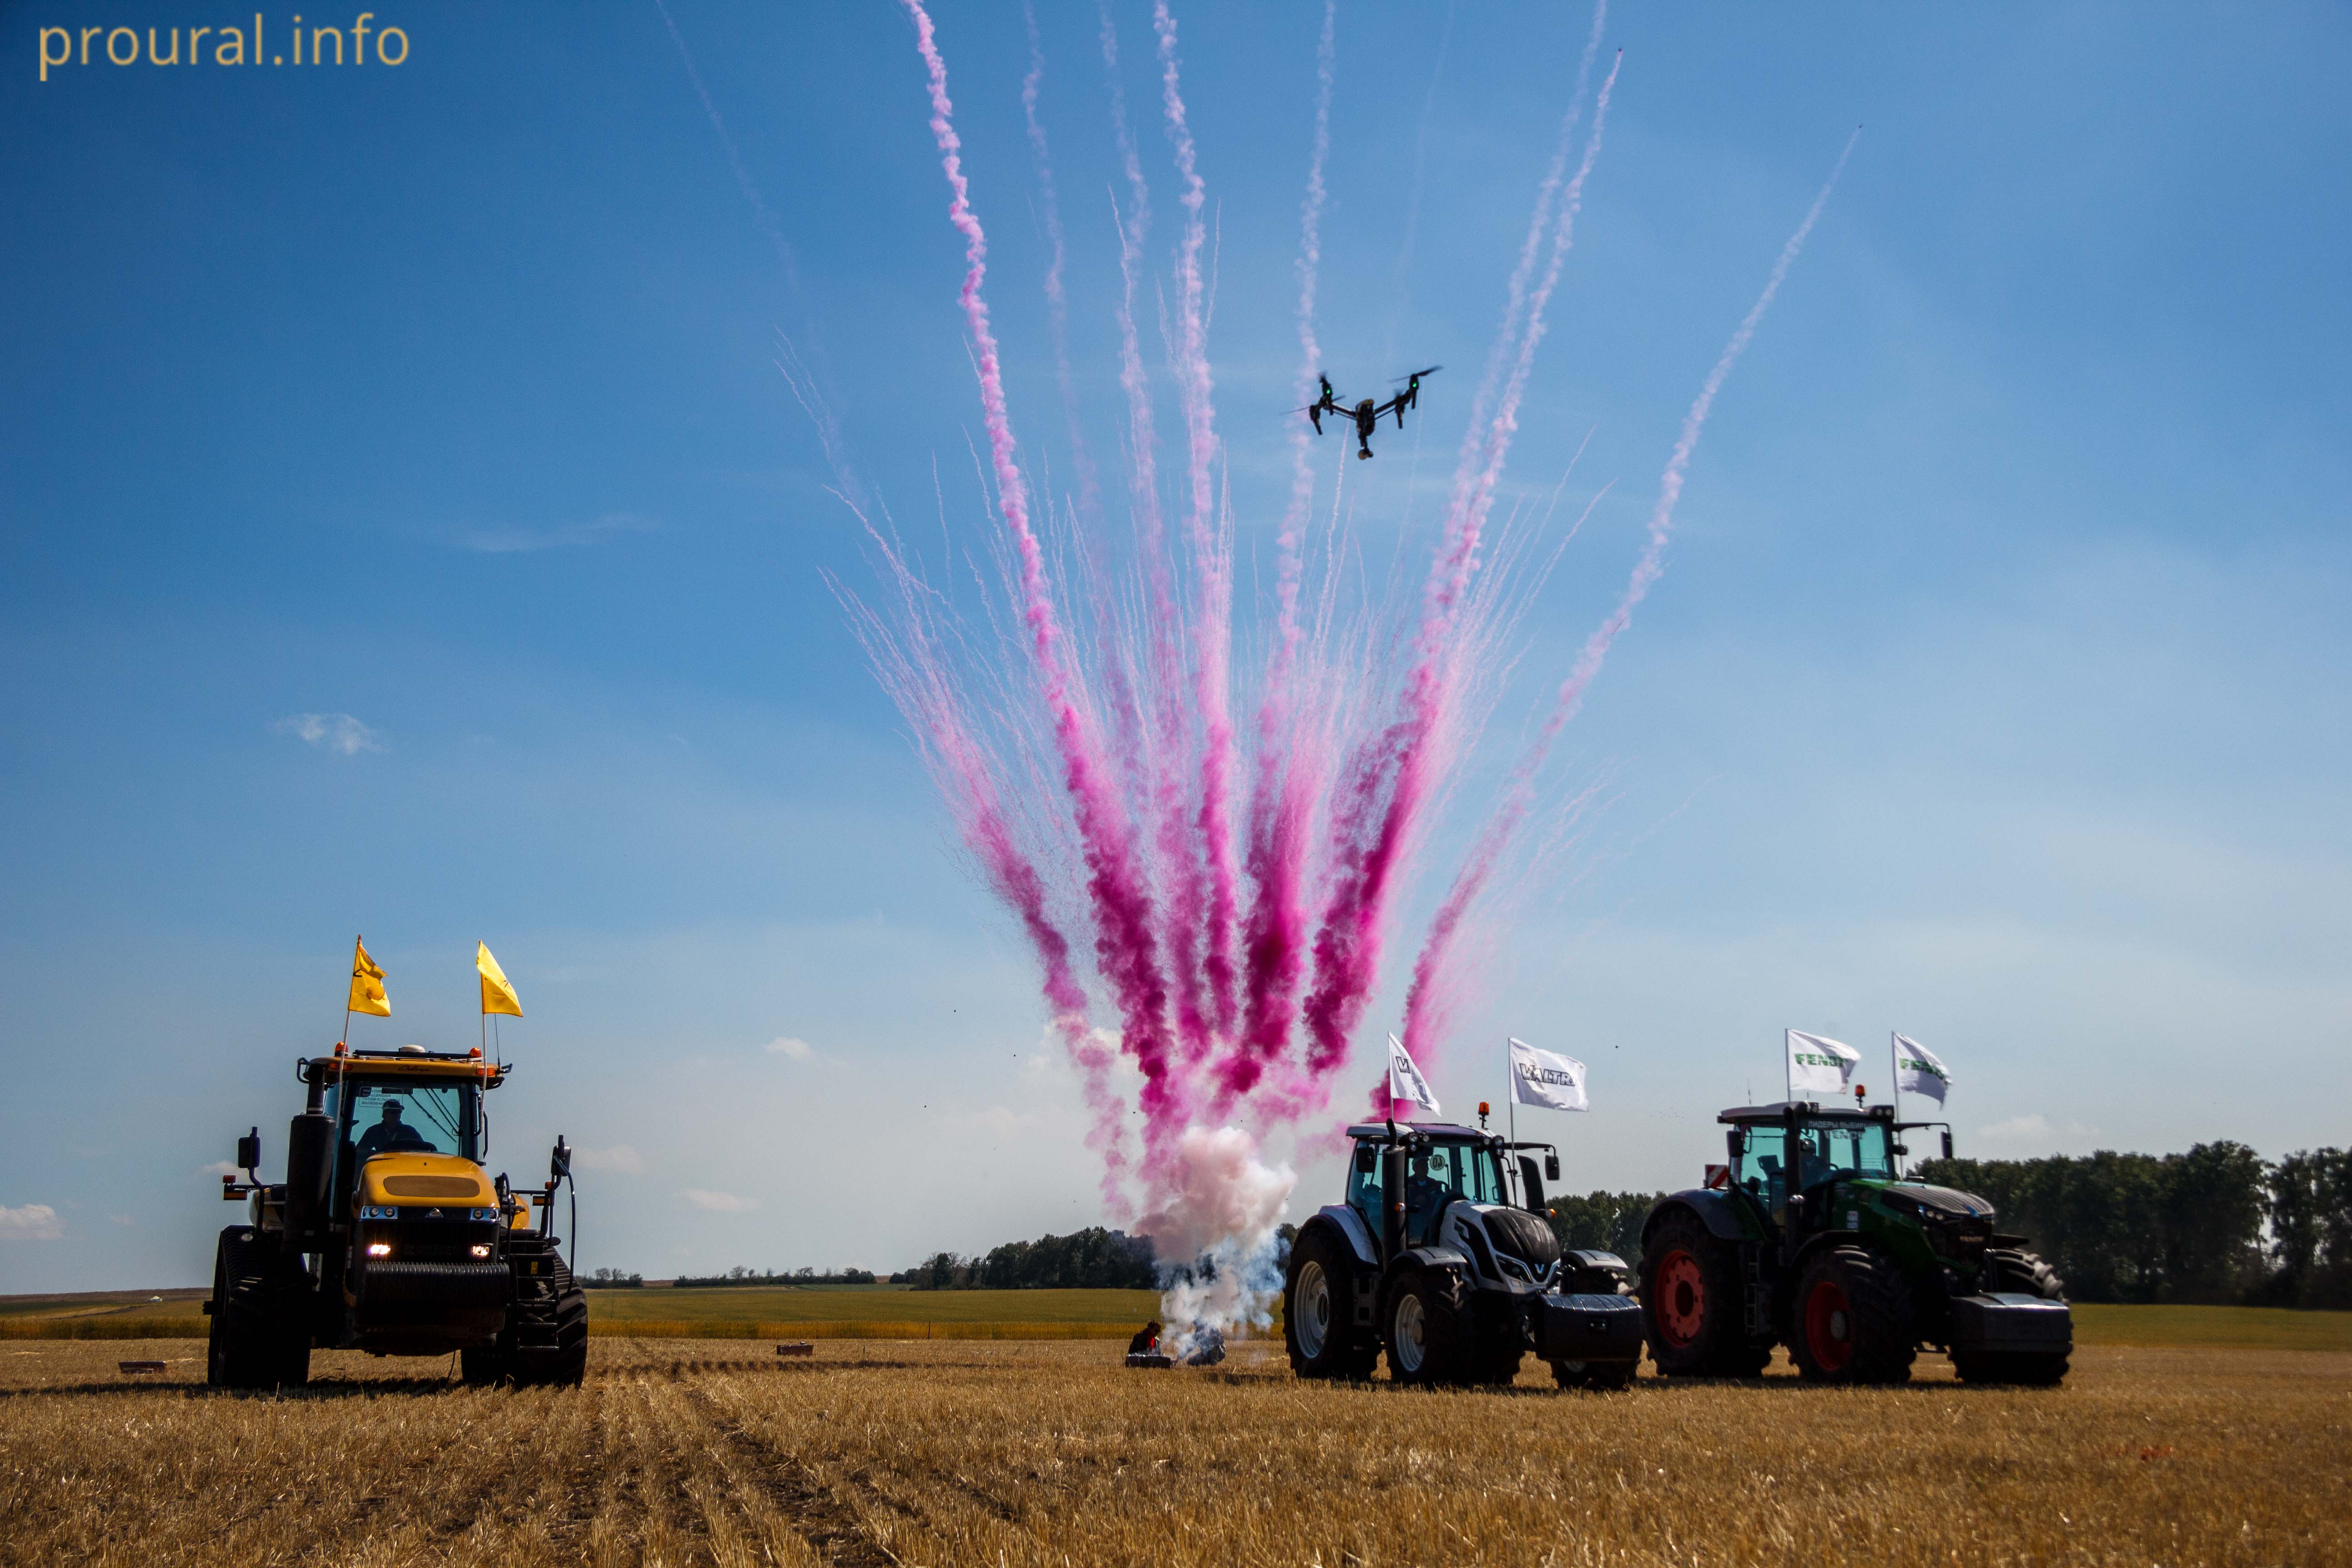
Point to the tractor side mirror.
(1901, 1149)
(1947, 1143)
(1530, 1185)
(1738, 1141)
(504, 1191)
(1551, 1165)
(559, 1163)
(249, 1150)
(1367, 1159)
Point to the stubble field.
(879, 1452)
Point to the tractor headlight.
(482, 1213)
(482, 1250)
(375, 1211)
(379, 1249)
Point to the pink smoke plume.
(1290, 769)
(1390, 778)
(1434, 983)
(1126, 949)
(1236, 883)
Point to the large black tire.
(1694, 1310)
(1852, 1320)
(1318, 1299)
(2019, 1273)
(2023, 1273)
(1603, 1375)
(260, 1335)
(1425, 1327)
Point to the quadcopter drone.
(1367, 413)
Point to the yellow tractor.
(388, 1236)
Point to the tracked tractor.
(1429, 1262)
(386, 1236)
(1810, 1238)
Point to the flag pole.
(1787, 1070)
(1894, 1086)
(1511, 1090)
(358, 938)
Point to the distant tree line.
(2219, 1223)
(1603, 1222)
(612, 1279)
(739, 1275)
(1090, 1259)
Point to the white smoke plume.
(1215, 1238)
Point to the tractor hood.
(1960, 1205)
(430, 1181)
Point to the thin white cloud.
(338, 732)
(216, 1170)
(2034, 1133)
(121, 1219)
(798, 1050)
(31, 1222)
(523, 541)
(718, 1203)
(619, 1157)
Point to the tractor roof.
(1810, 1109)
(1427, 1129)
(412, 1064)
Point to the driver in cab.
(390, 1135)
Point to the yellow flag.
(367, 982)
(497, 995)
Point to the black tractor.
(1810, 1238)
(1430, 1261)
(387, 1237)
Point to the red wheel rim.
(1829, 1326)
(1682, 1299)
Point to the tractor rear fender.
(1350, 1226)
(1716, 1211)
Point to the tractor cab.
(1431, 1166)
(1819, 1156)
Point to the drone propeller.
(1416, 375)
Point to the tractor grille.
(428, 1241)
(1526, 1236)
(1957, 1240)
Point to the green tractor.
(1851, 1265)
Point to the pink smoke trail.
(1430, 991)
(1163, 750)
(1057, 311)
(1390, 778)
(1125, 948)
(1212, 635)
(1289, 777)
(913, 671)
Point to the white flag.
(1818, 1064)
(1405, 1081)
(1539, 1077)
(1917, 1070)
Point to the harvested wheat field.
(880, 1452)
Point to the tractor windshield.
(390, 1117)
(1826, 1152)
(1838, 1149)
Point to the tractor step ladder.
(1760, 1299)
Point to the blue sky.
(1993, 691)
